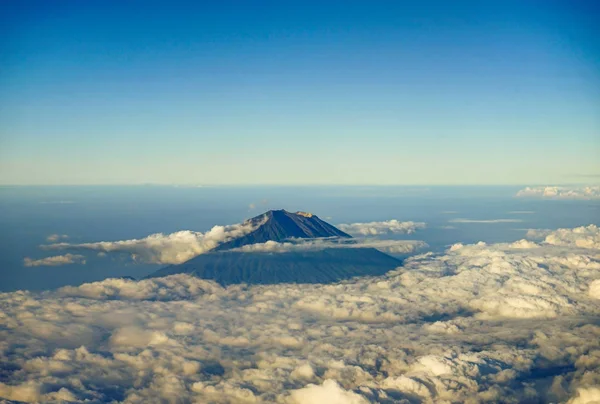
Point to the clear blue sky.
(299, 92)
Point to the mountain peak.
(280, 225)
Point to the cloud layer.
(511, 322)
(181, 246)
(377, 228)
(390, 246)
(160, 248)
(462, 220)
(55, 261)
(554, 192)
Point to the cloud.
(387, 227)
(55, 237)
(391, 246)
(254, 205)
(462, 220)
(507, 322)
(329, 392)
(581, 237)
(160, 248)
(55, 261)
(561, 192)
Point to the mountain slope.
(321, 266)
(325, 266)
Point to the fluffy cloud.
(386, 227)
(329, 392)
(510, 322)
(554, 192)
(581, 237)
(159, 248)
(391, 246)
(462, 220)
(55, 261)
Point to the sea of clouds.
(512, 322)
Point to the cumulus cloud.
(509, 322)
(561, 192)
(391, 246)
(462, 220)
(329, 392)
(387, 227)
(160, 248)
(55, 261)
(581, 237)
(55, 237)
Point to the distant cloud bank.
(561, 192)
(463, 220)
(386, 227)
(506, 322)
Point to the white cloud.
(510, 322)
(581, 237)
(160, 248)
(462, 220)
(391, 246)
(387, 227)
(55, 237)
(329, 392)
(561, 192)
(55, 261)
(587, 396)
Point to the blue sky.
(480, 92)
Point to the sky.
(243, 93)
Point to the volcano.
(229, 264)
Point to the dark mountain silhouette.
(321, 266)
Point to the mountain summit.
(227, 264)
(281, 225)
